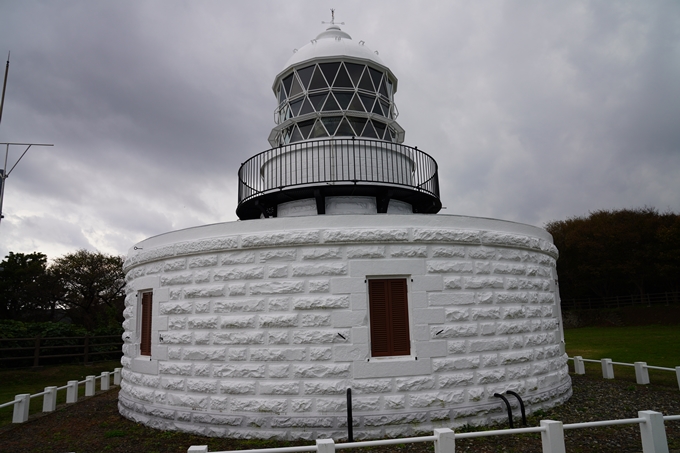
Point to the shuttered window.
(388, 306)
(145, 343)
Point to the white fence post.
(72, 391)
(607, 369)
(325, 446)
(21, 403)
(445, 441)
(198, 449)
(677, 373)
(104, 384)
(89, 385)
(641, 373)
(552, 438)
(116, 376)
(579, 366)
(653, 432)
(50, 399)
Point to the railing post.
(607, 369)
(552, 438)
(677, 374)
(653, 432)
(89, 385)
(198, 449)
(50, 399)
(72, 392)
(326, 446)
(105, 380)
(87, 349)
(36, 352)
(641, 373)
(445, 441)
(21, 404)
(579, 365)
(116, 376)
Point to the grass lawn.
(657, 345)
(32, 381)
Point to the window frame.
(145, 322)
(403, 348)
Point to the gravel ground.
(94, 425)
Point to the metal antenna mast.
(4, 174)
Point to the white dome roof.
(332, 43)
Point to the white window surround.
(398, 358)
(149, 364)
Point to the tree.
(90, 287)
(25, 288)
(617, 253)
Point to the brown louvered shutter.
(145, 344)
(388, 305)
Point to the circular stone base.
(259, 327)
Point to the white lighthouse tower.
(340, 275)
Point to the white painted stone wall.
(260, 326)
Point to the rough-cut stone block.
(447, 251)
(176, 308)
(449, 267)
(408, 251)
(491, 344)
(277, 354)
(331, 405)
(366, 252)
(315, 320)
(258, 405)
(204, 291)
(396, 419)
(326, 387)
(277, 287)
(177, 322)
(445, 235)
(231, 258)
(239, 371)
(278, 320)
(280, 388)
(322, 253)
(203, 322)
(362, 235)
(249, 337)
(327, 269)
(325, 371)
(320, 302)
(278, 255)
(453, 283)
(455, 364)
(319, 286)
(279, 303)
(280, 239)
(320, 354)
(279, 271)
(456, 380)
(237, 322)
(414, 384)
(490, 376)
(370, 386)
(239, 273)
(183, 369)
(202, 261)
(301, 405)
(278, 337)
(430, 399)
(320, 336)
(172, 383)
(455, 315)
(177, 337)
(482, 282)
(279, 371)
(246, 305)
(454, 331)
(212, 354)
(482, 268)
(177, 279)
(485, 313)
(175, 265)
(202, 386)
(513, 327)
(395, 402)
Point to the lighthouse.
(340, 274)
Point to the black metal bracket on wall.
(507, 405)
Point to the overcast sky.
(535, 111)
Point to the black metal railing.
(351, 161)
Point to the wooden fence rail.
(594, 303)
(48, 348)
